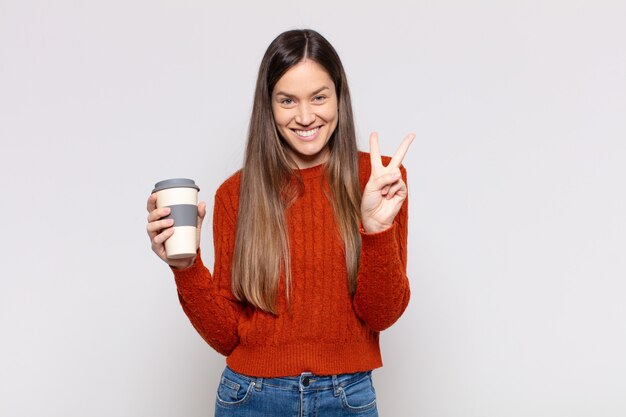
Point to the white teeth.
(307, 133)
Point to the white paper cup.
(181, 196)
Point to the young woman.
(310, 247)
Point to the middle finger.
(159, 225)
(401, 152)
(158, 213)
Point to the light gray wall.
(517, 226)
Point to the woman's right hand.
(160, 230)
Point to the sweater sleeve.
(382, 291)
(206, 298)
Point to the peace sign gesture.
(385, 190)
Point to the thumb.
(201, 212)
(202, 209)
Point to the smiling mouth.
(306, 133)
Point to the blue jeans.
(307, 395)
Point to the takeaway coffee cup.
(181, 196)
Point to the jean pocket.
(234, 390)
(359, 396)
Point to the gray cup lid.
(175, 183)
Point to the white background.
(517, 205)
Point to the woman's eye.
(286, 101)
(319, 99)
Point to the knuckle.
(152, 216)
(158, 239)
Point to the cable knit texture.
(327, 331)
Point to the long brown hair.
(261, 250)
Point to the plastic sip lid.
(175, 183)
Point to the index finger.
(151, 205)
(401, 152)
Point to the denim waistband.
(304, 382)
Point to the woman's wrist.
(371, 228)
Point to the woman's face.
(304, 103)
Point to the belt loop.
(335, 386)
(258, 384)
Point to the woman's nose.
(305, 116)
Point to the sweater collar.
(311, 172)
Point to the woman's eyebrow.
(279, 93)
(320, 90)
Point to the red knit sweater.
(327, 331)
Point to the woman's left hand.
(385, 190)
